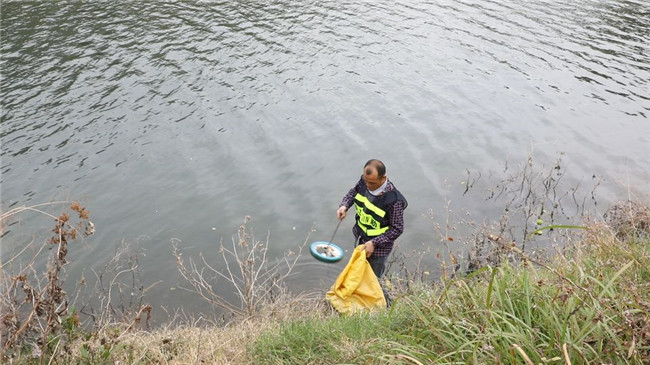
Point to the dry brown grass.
(199, 342)
(188, 344)
(629, 220)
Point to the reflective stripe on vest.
(370, 225)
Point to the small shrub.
(35, 310)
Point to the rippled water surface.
(176, 120)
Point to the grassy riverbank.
(590, 304)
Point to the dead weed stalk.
(535, 206)
(246, 269)
(34, 308)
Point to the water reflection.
(173, 118)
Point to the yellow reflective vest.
(371, 217)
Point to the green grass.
(589, 306)
(316, 341)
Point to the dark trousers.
(378, 264)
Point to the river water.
(175, 120)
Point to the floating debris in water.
(327, 250)
(90, 228)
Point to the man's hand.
(341, 212)
(370, 248)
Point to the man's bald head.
(374, 174)
(373, 166)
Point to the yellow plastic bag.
(357, 287)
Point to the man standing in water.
(380, 214)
